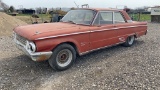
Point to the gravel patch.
(115, 68)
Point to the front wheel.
(63, 57)
(129, 41)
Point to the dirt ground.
(115, 68)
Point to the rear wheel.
(129, 41)
(63, 57)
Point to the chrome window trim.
(129, 21)
(95, 18)
(125, 21)
(90, 21)
(113, 17)
(98, 14)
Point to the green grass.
(143, 17)
(23, 14)
(26, 18)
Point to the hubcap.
(64, 58)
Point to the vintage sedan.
(79, 32)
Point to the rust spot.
(42, 58)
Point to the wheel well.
(73, 45)
(135, 35)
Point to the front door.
(103, 32)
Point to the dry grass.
(8, 23)
(27, 18)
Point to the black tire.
(129, 41)
(63, 57)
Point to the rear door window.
(104, 18)
(118, 18)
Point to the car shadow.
(105, 53)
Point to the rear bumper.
(36, 56)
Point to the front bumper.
(36, 56)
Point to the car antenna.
(76, 4)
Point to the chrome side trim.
(63, 35)
(83, 53)
(104, 30)
(88, 32)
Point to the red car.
(79, 32)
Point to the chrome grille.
(21, 39)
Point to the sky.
(70, 3)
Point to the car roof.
(100, 9)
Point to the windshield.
(79, 17)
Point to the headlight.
(31, 46)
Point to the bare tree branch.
(3, 5)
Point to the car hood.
(33, 32)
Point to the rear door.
(124, 29)
(103, 32)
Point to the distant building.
(139, 10)
(155, 14)
(40, 10)
(26, 11)
(63, 9)
(44, 10)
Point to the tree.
(61, 12)
(11, 9)
(72, 8)
(4, 6)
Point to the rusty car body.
(79, 32)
